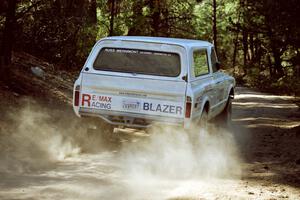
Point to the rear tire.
(197, 132)
(203, 122)
(225, 117)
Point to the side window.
(214, 59)
(200, 62)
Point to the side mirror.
(218, 65)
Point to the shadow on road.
(270, 128)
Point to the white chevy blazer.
(139, 81)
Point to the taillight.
(77, 95)
(188, 107)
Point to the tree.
(8, 37)
(137, 19)
(60, 31)
(112, 16)
(256, 36)
(214, 20)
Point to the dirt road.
(45, 153)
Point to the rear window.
(138, 61)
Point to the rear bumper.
(130, 119)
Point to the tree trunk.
(278, 71)
(112, 16)
(155, 17)
(258, 52)
(214, 19)
(236, 40)
(270, 65)
(251, 52)
(137, 18)
(277, 62)
(8, 38)
(235, 50)
(245, 47)
(92, 19)
(92, 12)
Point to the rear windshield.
(138, 61)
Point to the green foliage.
(284, 85)
(257, 40)
(170, 18)
(60, 33)
(226, 12)
(200, 63)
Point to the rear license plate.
(131, 105)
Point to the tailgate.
(133, 95)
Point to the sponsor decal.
(131, 105)
(136, 51)
(162, 108)
(132, 94)
(96, 101)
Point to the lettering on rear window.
(138, 61)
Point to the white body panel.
(139, 100)
(123, 91)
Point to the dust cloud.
(38, 137)
(175, 154)
(171, 159)
(146, 165)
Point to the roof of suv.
(164, 40)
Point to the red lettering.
(101, 98)
(104, 99)
(86, 98)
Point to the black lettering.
(178, 110)
(158, 108)
(151, 107)
(146, 106)
(166, 107)
(101, 105)
(172, 109)
(108, 106)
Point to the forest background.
(258, 41)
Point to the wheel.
(226, 114)
(198, 131)
(203, 122)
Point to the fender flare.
(204, 101)
(231, 88)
